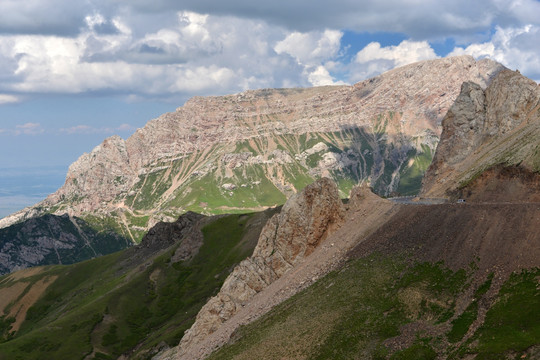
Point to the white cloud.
(404, 53)
(516, 48)
(29, 129)
(310, 51)
(174, 55)
(312, 47)
(375, 59)
(320, 77)
(198, 54)
(8, 99)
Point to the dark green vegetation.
(411, 176)
(111, 305)
(51, 239)
(372, 305)
(512, 325)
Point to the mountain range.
(252, 150)
(337, 272)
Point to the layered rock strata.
(272, 142)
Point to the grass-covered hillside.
(380, 307)
(50, 239)
(130, 302)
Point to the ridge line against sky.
(75, 72)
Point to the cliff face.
(484, 128)
(254, 149)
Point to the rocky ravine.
(254, 149)
(484, 128)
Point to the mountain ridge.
(269, 142)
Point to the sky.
(75, 72)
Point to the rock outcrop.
(271, 142)
(484, 128)
(305, 220)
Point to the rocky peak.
(106, 167)
(511, 99)
(305, 220)
(475, 125)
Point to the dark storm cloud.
(418, 19)
(53, 17)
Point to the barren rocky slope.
(254, 149)
(446, 281)
(485, 128)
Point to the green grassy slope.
(51, 239)
(379, 307)
(114, 304)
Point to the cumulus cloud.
(195, 54)
(310, 48)
(161, 50)
(514, 47)
(375, 59)
(310, 51)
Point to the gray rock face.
(463, 125)
(288, 237)
(498, 125)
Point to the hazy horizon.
(21, 187)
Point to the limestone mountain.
(252, 150)
(493, 242)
